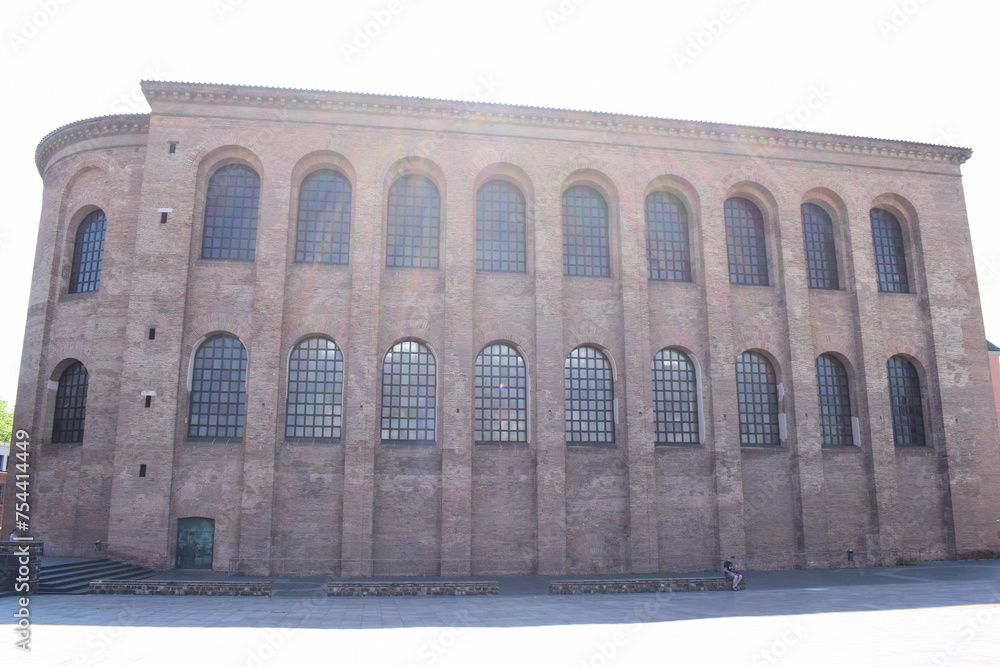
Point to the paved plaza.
(927, 614)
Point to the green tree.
(6, 420)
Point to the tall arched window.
(501, 400)
(757, 396)
(668, 249)
(821, 250)
(745, 242)
(586, 248)
(675, 398)
(71, 405)
(414, 223)
(218, 389)
(590, 398)
(88, 254)
(500, 228)
(409, 393)
(323, 234)
(890, 253)
(834, 402)
(231, 206)
(315, 406)
(907, 406)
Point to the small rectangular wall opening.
(152, 333)
(163, 217)
(149, 401)
(142, 470)
(172, 146)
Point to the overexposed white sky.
(917, 70)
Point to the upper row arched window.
(586, 247)
(323, 230)
(890, 252)
(501, 239)
(746, 244)
(821, 248)
(413, 230)
(232, 202)
(88, 254)
(668, 246)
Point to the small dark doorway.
(195, 543)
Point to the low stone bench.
(660, 585)
(241, 588)
(393, 588)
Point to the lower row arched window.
(501, 395)
(836, 428)
(757, 398)
(218, 389)
(314, 404)
(675, 398)
(314, 407)
(409, 394)
(906, 401)
(71, 405)
(590, 398)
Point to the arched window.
(757, 396)
(590, 398)
(821, 250)
(88, 254)
(745, 242)
(71, 405)
(315, 406)
(414, 223)
(409, 393)
(586, 249)
(218, 389)
(323, 234)
(500, 228)
(668, 249)
(834, 402)
(890, 254)
(907, 408)
(231, 206)
(501, 400)
(675, 398)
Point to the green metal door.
(195, 543)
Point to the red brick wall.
(361, 507)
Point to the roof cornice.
(614, 124)
(88, 130)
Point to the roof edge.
(264, 96)
(88, 128)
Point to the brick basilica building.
(301, 332)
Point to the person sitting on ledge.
(730, 571)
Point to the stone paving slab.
(933, 614)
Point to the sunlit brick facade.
(309, 332)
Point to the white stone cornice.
(615, 126)
(88, 130)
